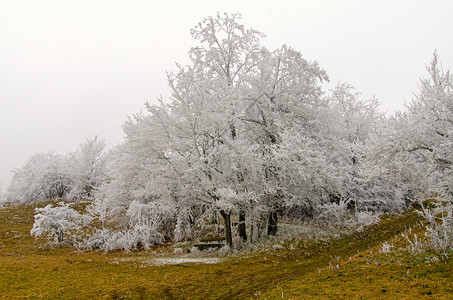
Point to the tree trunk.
(227, 220)
(241, 226)
(217, 231)
(60, 236)
(272, 223)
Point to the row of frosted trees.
(249, 135)
(51, 175)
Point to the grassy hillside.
(347, 266)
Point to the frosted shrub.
(180, 250)
(145, 220)
(386, 247)
(97, 240)
(339, 214)
(440, 225)
(333, 211)
(439, 230)
(143, 214)
(116, 240)
(367, 218)
(128, 240)
(383, 195)
(110, 240)
(121, 240)
(416, 245)
(142, 230)
(183, 228)
(55, 221)
(145, 236)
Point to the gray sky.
(76, 69)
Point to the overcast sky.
(76, 69)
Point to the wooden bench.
(216, 242)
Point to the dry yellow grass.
(347, 267)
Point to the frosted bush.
(439, 231)
(131, 239)
(179, 250)
(333, 211)
(277, 247)
(116, 240)
(44, 176)
(366, 218)
(194, 250)
(142, 230)
(224, 250)
(145, 237)
(96, 240)
(55, 221)
(183, 228)
(145, 220)
(127, 240)
(386, 247)
(416, 245)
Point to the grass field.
(347, 266)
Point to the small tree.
(55, 221)
(88, 167)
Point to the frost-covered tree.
(43, 176)
(207, 102)
(285, 101)
(213, 147)
(430, 128)
(356, 122)
(415, 146)
(88, 167)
